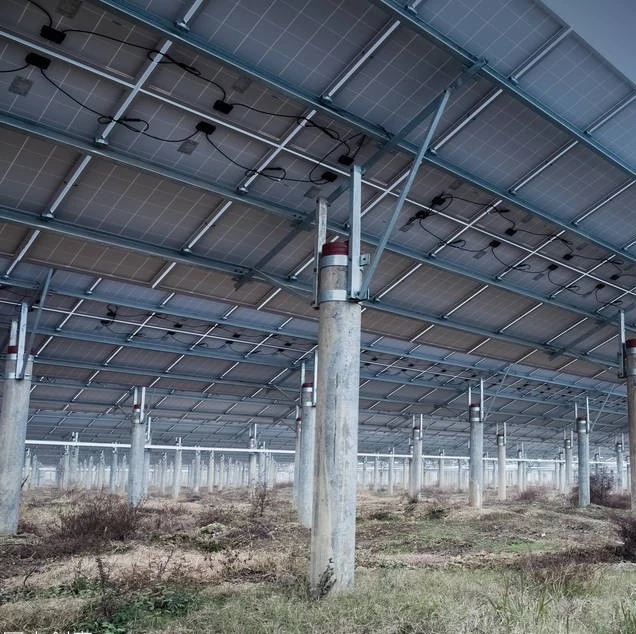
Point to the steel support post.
(501, 466)
(475, 485)
(332, 556)
(13, 425)
(307, 456)
(630, 363)
(176, 476)
(522, 472)
(583, 447)
(561, 471)
(136, 466)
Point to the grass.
(230, 564)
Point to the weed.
(565, 574)
(533, 494)
(260, 500)
(626, 526)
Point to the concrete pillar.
(440, 471)
(136, 467)
(376, 473)
(296, 483)
(391, 475)
(475, 481)
(163, 473)
(415, 474)
(405, 473)
(583, 447)
(567, 448)
(13, 425)
(123, 473)
(196, 482)
(27, 473)
(307, 456)
(364, 472)
(148, 472)
(501, 467)
(114, 471)
(561, 472)
(522, 472)
(211, 472)
(221, 478)
(459, 475)
(101, 471)
(66, 468)
(176, 476)
(253, 464)
(332, 555)
(260, 461)
(75, 465)
(90, 473)
(630, 361)
(620, 467)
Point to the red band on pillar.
(137, 406)
(630, 343)
(307, 386)
(12, 349)
(339, 247)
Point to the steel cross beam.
(401, 12)
(441, 321)
(432, 126)
(202, 47)
(292, 396)
(389, 191)
(278, 209)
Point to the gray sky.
(607, 25)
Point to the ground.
(226, 562)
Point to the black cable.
(124, 121)
(573, 288)
(612, 302)
(48, 15)
(250, 171)
(14, 70)
(151, 54)
(460, 243)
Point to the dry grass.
(231, 563)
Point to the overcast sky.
(608, 25)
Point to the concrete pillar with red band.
(415, 479)
(476, 474)
(296, 483)
(136, 466)
(253, 462)
(306, 456)
(176, 475)
(337, 402)
(501, 466)
(630, 363)
(13, 426)
(583, 449)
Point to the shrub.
(100, 518)
(626, 526)
(533, 494)
(569, 573)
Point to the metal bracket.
(321, 238)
